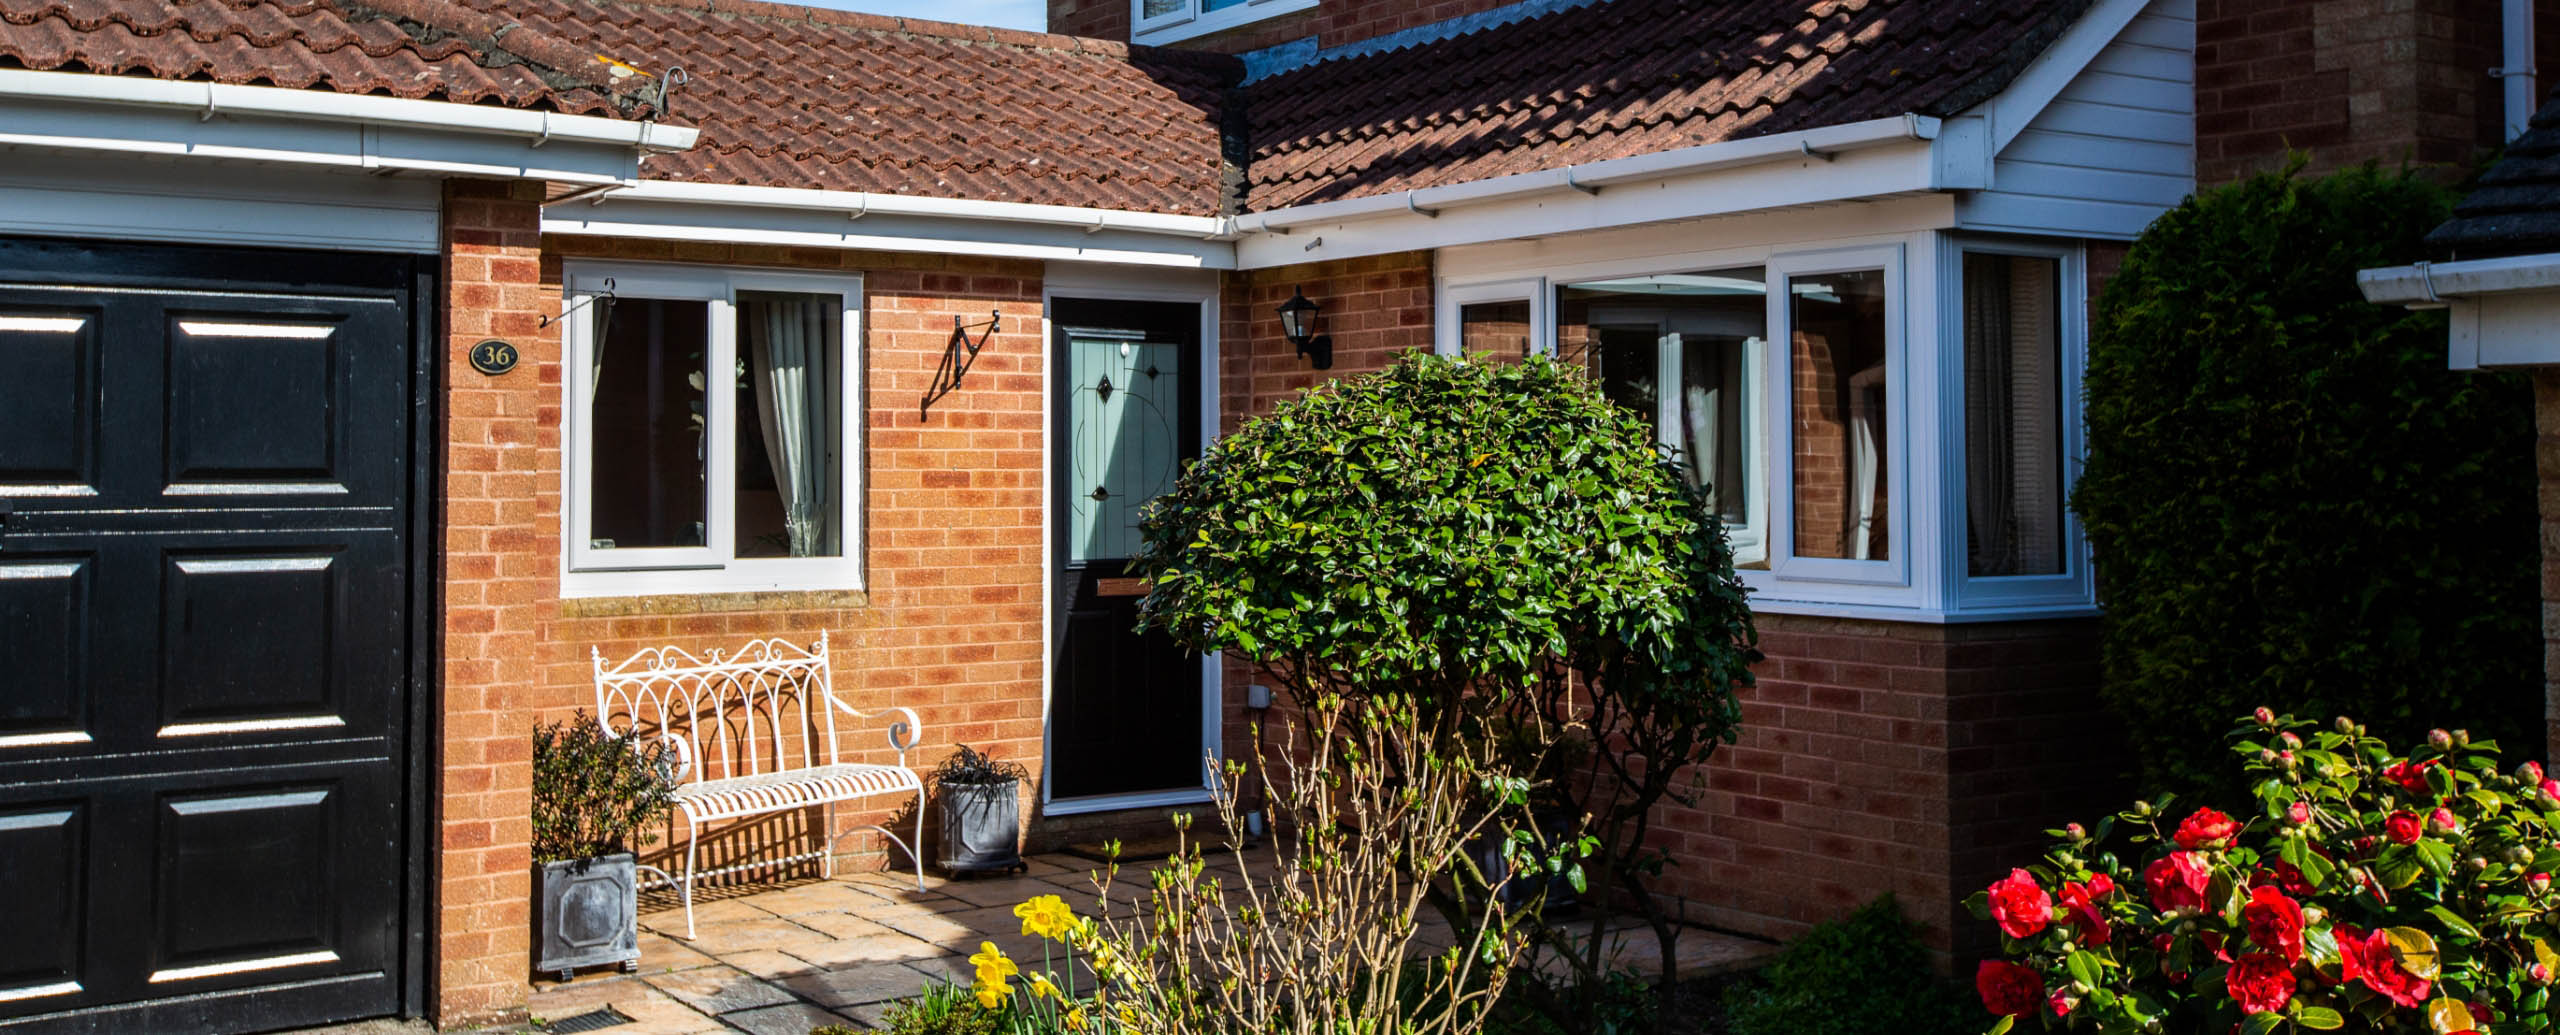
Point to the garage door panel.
(249, 638)
(252, 401)
(41, 846)
(48, 400)
(238, 869)
(47, 602)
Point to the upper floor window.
(1169, 21)
(710, 431)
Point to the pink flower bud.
(2289, 740)
(2443, 821)
(2439, 739)
(2541, 974)
(2530, 772)
(2266, 716)
(2539, 882)
(2077, 832)
(2551, 789)
(2300, 812)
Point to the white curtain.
(789, 354)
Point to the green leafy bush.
(1862, 975)
(594, 793)
(1507, 548)
(2365, 891)
(2289, 496)
(943, 1009)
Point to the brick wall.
(2346, 80)
(1923, 760)
(949, 623)
(1333, 23)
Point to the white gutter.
(2517, 71)
(856, 205)
(1592, 177)
(2433, 285)
(210, 99)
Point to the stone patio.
(782, 958)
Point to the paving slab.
(718, 990)
(793, 1019)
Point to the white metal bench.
(751, 732)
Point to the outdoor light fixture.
(1299, 319)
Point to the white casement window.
(712, 423)
(1844, 515)
(1689, 350)
(1503, 320)
(1168, 21)
(2014, 330)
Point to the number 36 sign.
(493, 357)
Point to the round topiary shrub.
(2289, 496)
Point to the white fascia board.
(2428, 285)
(1773, 180)
(2044, 78)
(211, 99)
(656, 210)
(858, 205)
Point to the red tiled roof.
(1625, 78)
(347, 47)
(791, 96)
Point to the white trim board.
(128, 199)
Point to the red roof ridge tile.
(562, 64)
(771, 11)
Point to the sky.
(1011, 14)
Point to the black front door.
(206, 463)
(1125, 707)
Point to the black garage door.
(206, 638)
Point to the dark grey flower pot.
(981, 826)
(590, 914)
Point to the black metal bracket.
(605, 296)
(958, 357)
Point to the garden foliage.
(1502, 545)
(1862, 975)
(2288, 494)
(2362, 891)
(594, 793)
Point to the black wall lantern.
(1299, 320)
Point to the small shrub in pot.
(594, 793)
(981, 817)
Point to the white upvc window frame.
(2076, 586)
(1192, 21)
(1447, 338)
(1886, 581)
(711, 568)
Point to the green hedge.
(1866, 974)
(2291, 500)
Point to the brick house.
(418, 303)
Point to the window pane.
(1698, 332)
(1162, 8)
(645, 424)
(1499, 330)
(1213, 5)
(790, 482)
(1839, 415)
(2012, 415)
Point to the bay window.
(1158, 22)
(710, 422)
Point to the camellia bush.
(2364, 891)
(1508, 550)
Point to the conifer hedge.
(2291, 499)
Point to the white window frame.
(1884, 581)
(2076, 585)
(712, 568)
(1192, 21)
(1447, 338)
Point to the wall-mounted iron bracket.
(958, 356)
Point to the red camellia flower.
(2061, 1005)
(2204, 828)
(2551, 790)
(2367, 958)
(2275, 923)
(2281, 874)
(2403, 828)
(2411, 778)
(2020, 905)
(2101, 885)
(2177, 879)
(2299, 812)
(2009, 989)
(2260, 983)
(2080, 910)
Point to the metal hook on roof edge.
(1583, 187)
(858, 213)
(1809, 152)
(2427, 279)
(1410, 206)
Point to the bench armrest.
(903, 734)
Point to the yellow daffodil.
(990, 960)
(1046, 916)
(1041, 988)
(1076, 1020)
(991, 995)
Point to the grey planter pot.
(981, 826)
(589, 915)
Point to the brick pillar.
(2546, 453)
(501, 529)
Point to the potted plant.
(593, 793)
(981, 819)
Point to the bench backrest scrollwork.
(766, 707)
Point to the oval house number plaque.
(493, 357)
